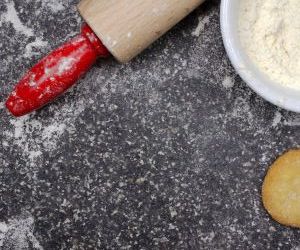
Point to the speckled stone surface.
(166, 152)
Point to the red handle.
(57, 72)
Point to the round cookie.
(281, 189)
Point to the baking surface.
(167, 152)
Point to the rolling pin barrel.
(127, 27)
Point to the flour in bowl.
(270, 33)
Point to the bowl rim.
(273, 92)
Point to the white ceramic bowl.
(284, 97)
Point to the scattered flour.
(11, 16)
(203, 21)
(17, 233)
(292, 122)
(55, 5)
(242, 110)
(228, 82)
(277, 119)
(207, 237)
(35, 136)
(173, 212)
(38, 43)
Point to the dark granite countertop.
(166, 152)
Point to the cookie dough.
(281, 189)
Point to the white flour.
(17, 233)
(11, 16)
(270, 33)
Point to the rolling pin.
(122, 28)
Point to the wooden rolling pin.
(123, 28)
